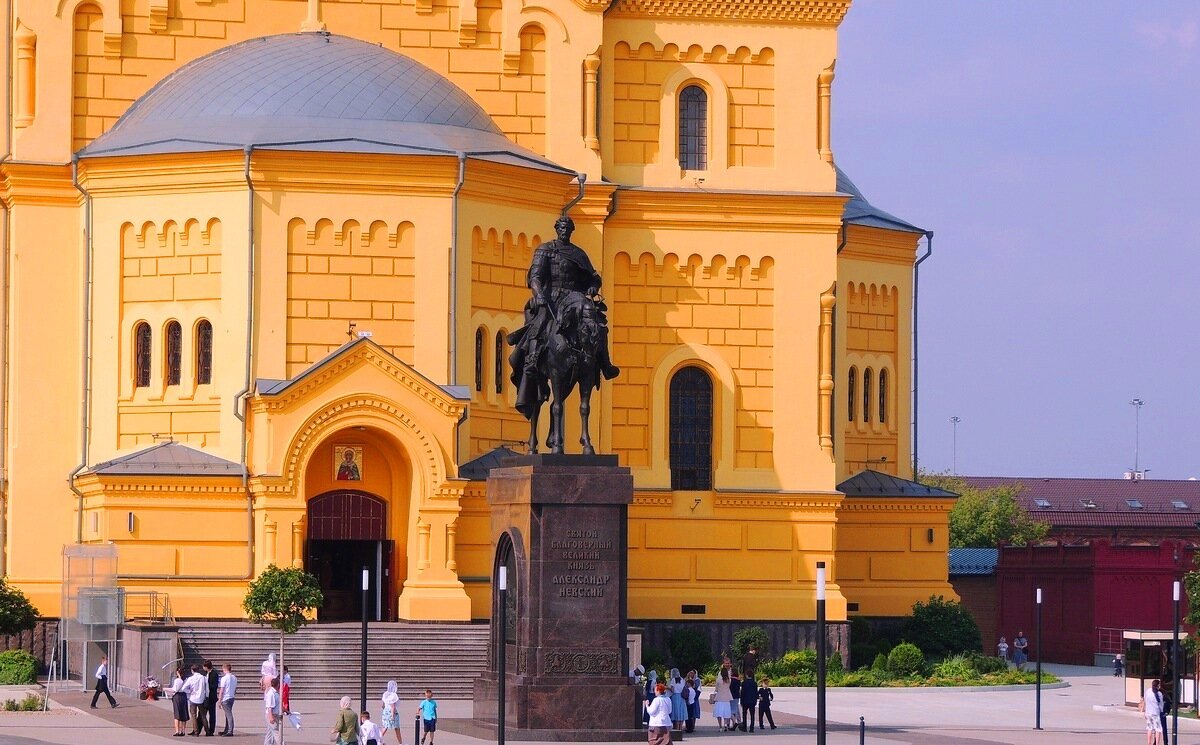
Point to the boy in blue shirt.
(428, 711)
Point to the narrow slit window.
(142, 338)
(693, 129)
(479, 360)
(866, 412)
(174, 353)
(204, 342)
(852, 386)
(691, 430)
(499, 362)
(883, 396)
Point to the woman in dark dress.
(179, 704)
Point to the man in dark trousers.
(210, 704)
(749, 700)
(102, 683)
(735, 692)
(765, 697)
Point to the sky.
(1054, 149)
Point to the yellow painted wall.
(732, 269)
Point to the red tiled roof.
(1067, 498)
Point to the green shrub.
(689, 649)
(986, 664)
(17, 667)
(955, 669)
(942, 628)
(751, 636)
(795, 681)
(834, 664)
(31, 702)
(879, 665)
(793, 662)
(906, 659)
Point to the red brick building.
(1114, 548)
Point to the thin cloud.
(1183, 36)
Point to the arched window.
(204, 353)
(691, 426)
(174, 353)
(479, 359)
(883, 396)
(693, 129)
(499, 362)
(142, 338)
(852, 386)
(866, 413)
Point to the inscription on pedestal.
(584, 551)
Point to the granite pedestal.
(559, 524)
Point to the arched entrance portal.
(347, 532)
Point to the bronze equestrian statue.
(564, 342)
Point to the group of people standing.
(195, 699)
(1019, 648)
(673, 705)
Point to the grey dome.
(308, 91)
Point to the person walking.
(369, 732)
(428, 711)
(658, 732)
(765, 697)
(179, 704)
(285, 690)
(272, 712)
(721, 700)
(213, 679)
(345, 728)
(226, 695)
(735, 694)
(1118, 666)
(1020, 644)
(1151, 707)
(749, 700)
(196, 688)
(268, 671)
(389, 716)
(102, 684)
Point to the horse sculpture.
(569, 361)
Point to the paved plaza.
(1088, 710)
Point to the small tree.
(985, 518)
(282, 599)
(942, 628)
(689, 649)
(17, 614)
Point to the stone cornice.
(184, 173)
(37, 183)
(791, 12)
(877, 244)
(812, 503)
(498, 183)
(729, 210)
(595, 5)
(898, 504)
(100, 486)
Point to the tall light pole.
(954, 446)
(362, 680)
(1038, 652)
(1175, 678)
(821, 653)
(1137, 405)
(502, 586)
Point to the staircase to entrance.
(324, 659)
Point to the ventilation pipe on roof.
(915, 351)
(86, 381)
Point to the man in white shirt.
(225, 696)
(1151, 706)
(273, 708)
(196, 689)
(102, 684)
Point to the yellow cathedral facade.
(260, 258)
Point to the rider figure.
(560, 275)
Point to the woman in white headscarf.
(268, 671)
(651, 681)
(389, 718)
(346, 726)
(678, 707)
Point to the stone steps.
(324, 659)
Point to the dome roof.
(307, 91)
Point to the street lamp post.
(501, 653)
(954, 446)
(821, 653)
(1137, 405)
(362, 680)
(1038, 652)
(1175, 680)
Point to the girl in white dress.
(721, 708)
(388, 718)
